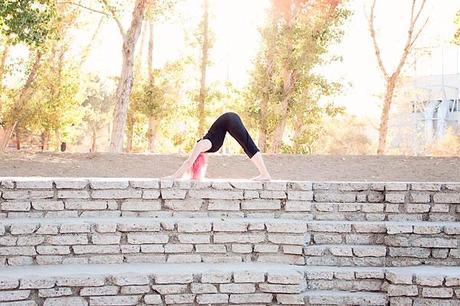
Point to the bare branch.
(413, 20)
(4, 55)
(115, 17)
(374, 41)
(419, 31)
(419, 11)
(84, 7)
(412, 9)
(410, 38)
(87, 49)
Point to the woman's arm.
(201, 146)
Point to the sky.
(359, 66)
(235, 25)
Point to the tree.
(53, 107)
(284, 86)
(205, 45)
(3, 69)
(86, 51)
(3, 57)
(31, 22)
(156, 10)
(457, 33)
(17, 108)
(56, 103)
(125, 82)
(156, 97)
(27, 21)
(96, 110)
(392, 78)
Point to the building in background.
(428, 100)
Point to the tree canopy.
(27, 21)
(457, 33)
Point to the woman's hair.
(198, 169)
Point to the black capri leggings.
(230, 122)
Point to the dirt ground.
(283, 167)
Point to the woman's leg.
(238, 131)
(235, 127)
(259, 162)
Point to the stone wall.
(233, 240)
(35, 198)
(237, 285)
(98, 241)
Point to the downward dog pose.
(211, 142)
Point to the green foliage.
(457, 33)
(157, 10)
(161, 94)
(161, 10)
(56, 103)
(27, 21)
(158, 98)
(96, 107)
(297, 48)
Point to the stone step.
(134, 284)
(377, 255)
(123, 239)
(85, 197)
(334, 297)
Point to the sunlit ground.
(281, 166)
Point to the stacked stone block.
(173, 240)
(211, 287)
(290, 200)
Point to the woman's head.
(199, 166)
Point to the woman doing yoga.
(212, 142)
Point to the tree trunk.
(263, 124)
(126, 79)
(7, 133)
(288, 82)
(150, 52)
(298, 131)
(153, 121)
(18, 142)
(85, 53)
(3, 58)
(262, 142)
(130, 136)
(204, 64)
(383, 129)
(2, 67)
(57, 133)
(287, 90)
(93, 141)
(392, 79)
(140, 55)
(152, 131)
(24, 97)
(45, 140)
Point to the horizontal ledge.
(217, 219)
(148, 269)
(111, 179)
(140, 268)
(338, 293)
